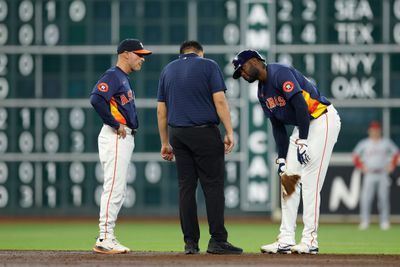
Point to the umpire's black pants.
(199, 154)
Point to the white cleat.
(385, 226)
(303, 248)
(363, 226)
(276, 247)
(109, 246)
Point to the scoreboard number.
(77, 10)
(52, 53)
(25, 11)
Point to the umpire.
(191, 101)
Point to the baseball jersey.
(115, 88)
(376, 155)
(186, 86)
(282, 83)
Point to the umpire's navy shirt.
(187, 86)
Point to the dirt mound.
(87, 258)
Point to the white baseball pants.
(323, 134)
(115, 155)
(372, 183)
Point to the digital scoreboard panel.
(52, 52)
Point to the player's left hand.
(281, 165)
(390, 168)
(302, 151)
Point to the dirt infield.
(86, 258)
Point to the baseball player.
(114, 100)
(376, 157)
(289, 98)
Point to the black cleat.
(222, 247)
(191, 248)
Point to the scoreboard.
(53, 51)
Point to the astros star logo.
(103, 87)
(288, 86)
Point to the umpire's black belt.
(208, 125)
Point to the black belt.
(134, 131)
(209, 125)
(205, 126)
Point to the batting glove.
(281, 166)
(302, 151)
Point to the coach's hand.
(302, 151)
(229, 143)
(121, 131)
(167, 152)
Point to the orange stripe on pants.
(112, 186)
(317, 190)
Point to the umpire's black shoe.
(221, 247)
(191, 248)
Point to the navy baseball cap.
(242, 58)
(132, 45)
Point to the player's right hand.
(281, 166)
(121, 131)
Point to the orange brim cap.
(143, 52)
